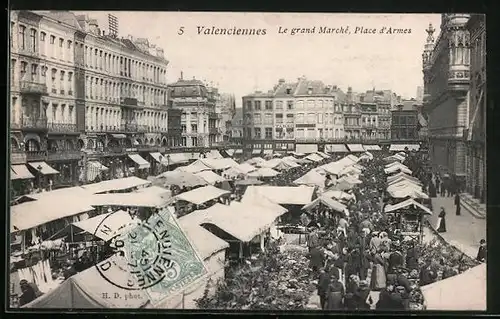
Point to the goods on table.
(272, 281)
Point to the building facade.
(404, 123)
(302, 111)
(475, 135)
(446, 94)
(201, 112)
(236, 137)
(78, 95)
(226, 107)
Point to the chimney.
(182, 76)
(309, 90)
(349, 94)
(94, 26)
(281, 81)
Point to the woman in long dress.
(378, 277)
(442, 221)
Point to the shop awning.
(157, 157)
(306, 148)
(401, 147)
(355, 147)
(119, 136)
(312, 178)
(219, 163)
(238, 151)
(177, 158)
(372, 147)
(20, 172)
(43, 168)
(97, 165)
(141, 162)
(94, 168)
(314, 157)
(336, 148)
(202, 195)
(268, 152)
(230, 152)
(254, 152)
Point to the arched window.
(100, 145)
(32, 146)
(13, 144)
(81, 144)
(90, 144)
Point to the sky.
(242, 64)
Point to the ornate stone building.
(446, 93)
(475, 138)
(81, 99)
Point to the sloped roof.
(63, 16)
(280, 90)
(318, 87)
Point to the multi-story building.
(405, 124)
(446, 93)
(236, 136)
(352, 116)
(475, 140)
(369, 121)
(74, 88)
(380, 125)
(226, 107)
(420, 94)
(303, 111)
(200, 122)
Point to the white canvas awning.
(355, 147)
(194, 167)
(314, 157)
(336, 148)
(256, 152)
(238, 151)
(210, 177)
(179, 178)
(116, 185)
(406, 204)
(157, 157)
(109, 221)
(311, 178)
(264, 172)
(202, 195)
(306, 148)
(230, 152)
(43, 168)
(444, 294)
(20, 172)
(286, 195)
(219, 163)
(177, 158)
(134, 199)
(141, 162)
(327, 201)
(372, 147)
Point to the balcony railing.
(369, 125)
(131, 127)
(62, 128)
(115, 150)
(129, 102)
(32, 156)
(352, 126)
(29, 87)
(64, 155)
(34, 123)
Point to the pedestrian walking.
(323, 284)
(481, 253)
(457, 203)
(441, 224)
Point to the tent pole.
(71, 231)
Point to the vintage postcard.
(247, 161)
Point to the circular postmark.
(142, 251)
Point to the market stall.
(264, 172)
(210, 177)
(409, 218)
(178, 178)
(202, 195)
(446, 295)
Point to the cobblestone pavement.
(464, 231)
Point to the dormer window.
(309, 91)
(288, 91)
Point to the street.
(464, 231)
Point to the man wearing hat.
(481, 253)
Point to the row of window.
(299, 104)
(290, 133)
(94, 58)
